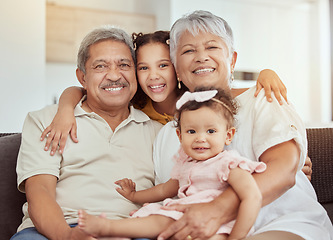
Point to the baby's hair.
(223, 103)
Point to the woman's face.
(202, 60)
(156, 74)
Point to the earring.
(179, 84)
(232, 75)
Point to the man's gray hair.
(102, 34)
(200, 21)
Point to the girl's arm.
(154, 194)
(270, 81)
(64, 121)
(250, 198)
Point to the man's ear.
(179, 134)
(81, 77)
(230, 135)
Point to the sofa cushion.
(12, 200)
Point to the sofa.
(320, 150)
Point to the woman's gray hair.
(200, 21)
(102, 34)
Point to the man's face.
(110, 79)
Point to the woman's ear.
(230, 135)
(233, 60)
(81, 77)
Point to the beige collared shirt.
(87, 170)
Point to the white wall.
(291, 37)
(22, 62)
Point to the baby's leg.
(147, 227)
(219, 237)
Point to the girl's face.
(155, 72)
(203, 60)
(204, 133)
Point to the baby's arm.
(270, 81)
(64, 121)
(154, 194)
(250, 201)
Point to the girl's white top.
(261, 125)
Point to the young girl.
(203, 169)
(158, 89)
(157, 92)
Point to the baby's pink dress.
(201, 181)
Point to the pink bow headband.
(199, 97)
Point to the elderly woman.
(201, 48)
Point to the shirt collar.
(135, 115)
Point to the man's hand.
(199, 221)
(76, 233)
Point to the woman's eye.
(188, 51)
(191, 131)
(211, 131)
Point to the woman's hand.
(64, 123)
(200, 221)
(307, 169)
(270, 81)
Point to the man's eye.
(124, 66)
(211, 131)
(191, 131)
(100, 66)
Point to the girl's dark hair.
(139, 40)
(223, 95)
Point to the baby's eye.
(191, 131)
(163, 65)
(211, 131)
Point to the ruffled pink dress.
(201, 181)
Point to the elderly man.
(115, 142)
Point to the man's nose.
(113, 73)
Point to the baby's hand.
(127, 188)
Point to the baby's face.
(203, 133)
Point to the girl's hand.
(307, 169)
(63, 123)
(270, 81)
(127, 188)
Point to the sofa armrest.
(320, 150)
(11, 199)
